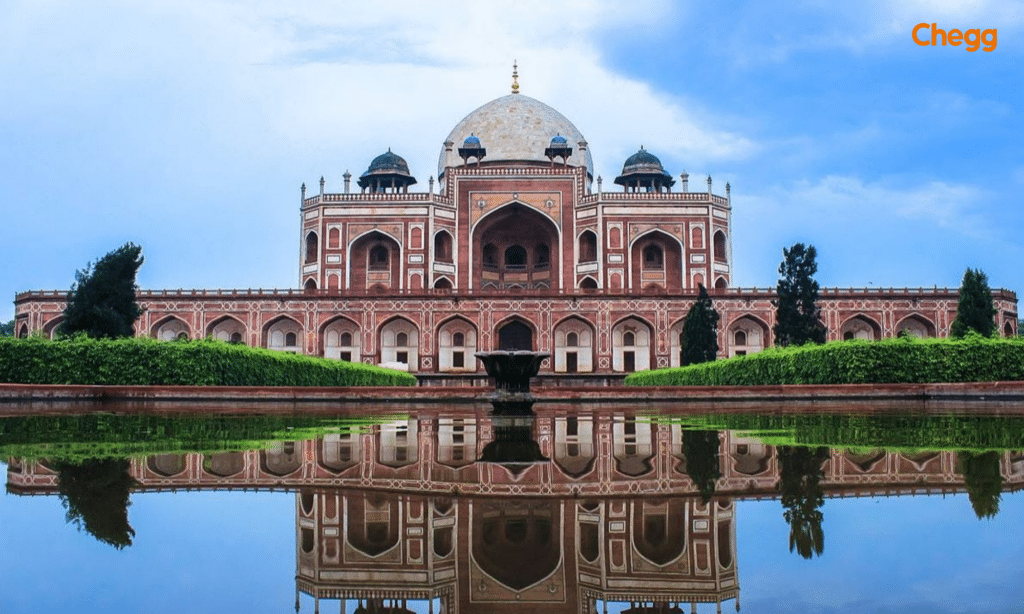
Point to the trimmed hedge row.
(889, 361)
(890, 431)
(148, 362)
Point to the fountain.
(512, 370)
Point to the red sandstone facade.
(514, 249)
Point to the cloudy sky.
(187, 126)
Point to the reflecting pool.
(577, 509)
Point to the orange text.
(974, 38)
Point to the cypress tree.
(975, 310)
(102, 300)
(798, 318)
(700, 331)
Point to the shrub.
(148, 362)
(899, 360)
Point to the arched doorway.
(515, 335)
(513, 247)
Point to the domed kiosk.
(388, 172)
(643, 172)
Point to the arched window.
(379, 258)
(334, 238)
(312, 247)
(628, 338)
(401, 339)
(289, 339)
(443, 247)
(720, 283)
(653, 257)
(720, 246)
(346, 339)
(491, 256)
(236, 338)
(515, 257)
(443, 283)
(588, 247)
(310, 284)
(572, 339)
(541, 256)
(740, 337)
(458, 339)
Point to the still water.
(578, 510)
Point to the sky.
(188, 126)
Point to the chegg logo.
(974, 38)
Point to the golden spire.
(515, 77)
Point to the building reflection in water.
(406, 511)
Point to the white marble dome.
(515, 128)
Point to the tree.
(700, 449)
(983, 481)
(802, 496)
(95, 496)
(700, 331)
(102, 300)
(7, 329)
(798, 319)
(975, 310)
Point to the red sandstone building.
(517, 246)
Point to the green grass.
(142, 361)
(890, 361)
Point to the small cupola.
(388, 173)
(643, 172)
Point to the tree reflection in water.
(701, 451)
(983, 481)
(95, 496)
(800, 475)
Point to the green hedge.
(148, 362)
(897, 360)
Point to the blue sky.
(187, 126)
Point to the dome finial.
(515, 77)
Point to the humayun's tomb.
(517, 246)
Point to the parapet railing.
(1000, 293)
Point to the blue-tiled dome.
(471, 141)
(559, 141)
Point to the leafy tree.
(802, 496)
(700, 331)
(7, 329)
(975, 310)
(798, 319)
(701, 451)
(95, 496)
(102, 300)
(983, 481)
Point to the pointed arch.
(746, 334)
(588, 283)
(916, 325)
(52, 327)
(720, 246)
(721, 284)
(399, 343)
(444, 246)
(575, 444)
(282, 458)
(632, 344)
(656, 258)
(312, 247)
(171, 328)
(511, 246)
(574, 345)
(374, 259)
(443, 283)
(515, 333)
(860, 326)
(339, 339)
(227, 328)
(456, 345)
(587, 246)
(278, 332)
(675, 335)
